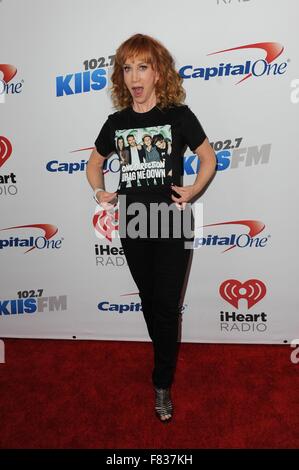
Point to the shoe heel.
(163, 404)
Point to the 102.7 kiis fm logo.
(32, 301)
(95, 77)
(230, 154)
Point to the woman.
(122, 151)
(148, 92)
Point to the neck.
(144, 107)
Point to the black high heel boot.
(163, 405)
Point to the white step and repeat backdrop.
(62, 274)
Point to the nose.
(135, 74)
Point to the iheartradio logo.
(233, 290)
(105, 222)
(5, 149)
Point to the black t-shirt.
(150, 147)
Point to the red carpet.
(98, 395)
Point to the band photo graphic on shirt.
(145, 156)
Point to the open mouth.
(137, 91)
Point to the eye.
(143, 67)
(126, 68)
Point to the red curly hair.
(169, 89)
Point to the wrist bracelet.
(95, 194)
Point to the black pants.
(159, 269)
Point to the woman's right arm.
(95, 176)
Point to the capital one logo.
(5, 149)
(272, 49)
(257, 68)
(233, 290)
(105, 221)
(31, 242)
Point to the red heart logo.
(5, 149)
(106, 222)
(9, 71)
(233, 290)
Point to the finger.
(181, 190)
(177, 192)
(176, 199)
(105, 205)
(109, 197)
(108, 206)
(181, 207)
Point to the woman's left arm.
(207, 169)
